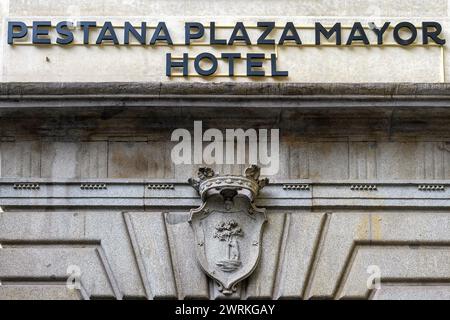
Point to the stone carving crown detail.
(209, 182)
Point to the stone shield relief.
(227, 226)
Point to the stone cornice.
(382, 90)
(259, 95)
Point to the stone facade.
(92, 206)
(90, 183)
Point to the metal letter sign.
(228, 226)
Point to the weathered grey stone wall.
(93, 187)
(86, 178)
(327, 132)
(151, 255)
(346, 158)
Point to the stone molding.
(386, 90)
(137, 194)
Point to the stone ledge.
(382, 90)
(200, 98)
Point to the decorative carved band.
(93, 186)
(431, 187)
(296, 186)
(161, 186)
(26, 186)
(363, 187)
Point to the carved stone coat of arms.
(227, 226)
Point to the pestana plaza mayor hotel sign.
(88, 33)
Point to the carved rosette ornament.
(227, 226)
